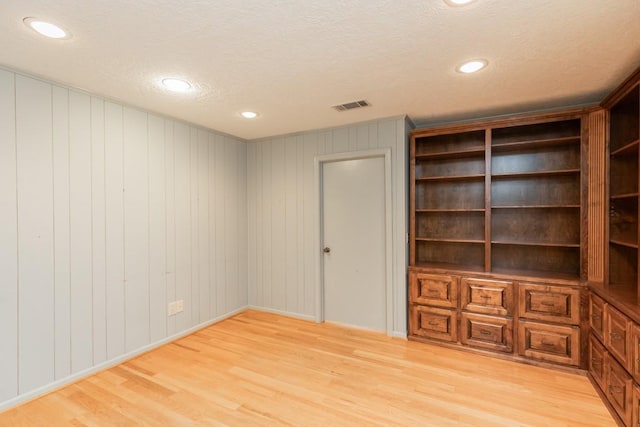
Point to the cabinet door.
(487, 296)
(617, 335)
(597, 355)
(596, 315)
(431, 322)
(549, 343)
(488, 332)
(560, 304)
(635, 358)
(433, 289)
(635, 417)
(619, 390)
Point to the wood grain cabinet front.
(619, 390)
(432, 322)
(596, 362)
(635, 416)
(635, 358)
(617, 335)
(487, 296)
(549, 343)
(433, 289)
(596, 315)
(487, 332)
(560, 304)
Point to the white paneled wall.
(283, 213)
(107, 214)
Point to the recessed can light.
(249, 114)
(176, 85)
(46, 29)
(472, 66)
(458, 2)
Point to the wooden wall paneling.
(232, 219)
(98, 227)
(252, 222)
(372, 136)
(596, 197)
(136, 229)
(300, 232)
(157, 230)
(62, 305)
(278, 218)
(241, 214)
(362, 137)
(8, 239)
(80, 202)
(170, 220)
(191, 305)
(259, 236)
(267, 230)
(353, 138)
(182, 220)
(213, 266)
(221, 185)
(340, 139)
(204, 299)
(312, 141)
(35, 233)
(291, 226)
(114, 213)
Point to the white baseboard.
(33, 394)
(283, 313)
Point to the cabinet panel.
(433, 289)
(549, 343)
(635, 348)
(596, 315)
(596, 363)
(617, 336)
(487, 296)
(619, 390)
(635, 417)
(559, 304)
(488, 332)
(431, 322)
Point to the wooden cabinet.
(487, 332)
(596, 316)
(433, 289)
(635, 416)
(549, 343)
(617, 335)
(487, 296)
(619, 390)
(560, 304)
(596, 364)
(435, 323)
(635, 352)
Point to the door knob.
(326, 250)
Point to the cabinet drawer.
(617, 335)
(433, 289)
(488, 332)
(596, 362)
(596, 315)
(619, 390)
(549, 343)
(431, 322)
(487, 296)
(559, 304)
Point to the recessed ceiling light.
(47, 29)
(472, 66)
(176, 85)
(458, 2)
(249, 114)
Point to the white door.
(353, 209)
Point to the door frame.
(318, 162)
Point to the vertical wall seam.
(93, 321)
(148, 230)
(124, 243)
(55, 282)
(15, 127)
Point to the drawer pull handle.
(485, 332)
(547, 304)
(595, 318)
(616, 336)
(433, 291)
(547, 344)
(615, 389)
(485, 296)
(433, 323)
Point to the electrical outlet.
(172, 309)
(179, 306)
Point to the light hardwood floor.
(263, 369)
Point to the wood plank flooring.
(262, 369)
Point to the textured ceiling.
(291, 60)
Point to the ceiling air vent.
(352, 105)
